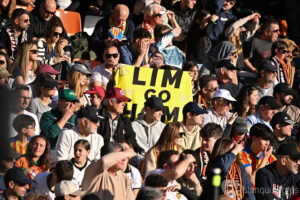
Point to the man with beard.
(16, 32)
(284, 96)
(87, 124)
(278, 180)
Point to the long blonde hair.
(74, 83)
(22, 59)
(167, 138)
(11, 8)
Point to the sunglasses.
(2, 62)
(233, 53)
(114, 55)
(26, 20)
(285, 51)
(181, 134)
(276, 31)
(227, 103)
(214, 89)
(34, 51)
(57, 34)
(48, 12)
(25, 98)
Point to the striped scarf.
(14, 39)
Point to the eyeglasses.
(48, 12)
(2, 53)
(2, 62)
(233, 53)
(30, 127)
(275, 31)
(285, 51)
(225, 102)
(114, 55)
(157, 15)
(25, 20)
(213, 89)
(57, 34)
(25, 98)
(181, 134)
(34, 51)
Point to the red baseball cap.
(117, 93)
(42, 69)
(97, 89)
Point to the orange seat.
(90, 63)
(25, 7)
(71, 21)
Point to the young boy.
(210, 133)
(25, 127)
(279, 52)
(259, 153)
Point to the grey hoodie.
(146, 136)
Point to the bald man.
(117, 29)
(41, 16)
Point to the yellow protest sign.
(172, 86)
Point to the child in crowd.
(37, 157)
(25, 127)
(80, 161)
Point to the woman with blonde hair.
(25, 63)
(170, 139)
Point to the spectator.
(106, 28)
(163, 37)
(51, 45)
(6, 62)
(149, 126)
(17, 184)
(24, 125)
(86, 128)
(226, 73)
(101, 74)
(280, 177)
(282, 128)
(45, 87)
(6, 10)
(149, 193)
(193, 70)
(116, 126)
(46, 69)
(7, 161)
(14, 34)
(224, 157)
(25, 63)
(67, 190)
(4, 76)
(259, 49)
(220, 111)
(192, 120)
(247, 100)
(22, 99)
(97, 94)
(156, 60)
(37, 158)
(170, 139)
(223, 9)
(60, 118)
(136, 54)
(210, 133)
(41, 16)
(259, 152)
(78, 80)
(238, 131)
(284, 96)
(105, 177)
(266, 78)
(267, 108)
(45, 182)
(208, 87)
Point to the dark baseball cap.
(67, 94)
(17, 175)
(82, 68)
(283, 88)
(268, 100)
(288, 149)
(118, 94)
(89, 112)
(227, 64)
(154, 102)
(9, 154)
(268, 65)
(281, 117)
(193, 108)
(46, 80)
(240, 125)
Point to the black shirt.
(275, 143)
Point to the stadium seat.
(71, 21)
(89, 23)
(90, 63)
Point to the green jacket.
(49, 127)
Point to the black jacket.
(270, 185)
(124, 131)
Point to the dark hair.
(280, 45)
(141, 33)
(110, 148)
(110, 45)
(156, 180)
(192, 152)
(243, 98)
(221, 147)
(18, 13)
(198, 17)
(18, 88)
(149, 193)
(37, 197)
(84, 143)
(164, 158)
(90, 197)
(267, 24)
(204, 80)
(22, 121)
(59, 198)
(64, 170)
(211, 130)
(158, 31)
(45, 158)
(261, 131)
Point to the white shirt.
(100, 74)
(135, 177)
(13, 132)
(40, 186)
(213, 117)
(79, 173)
(65, 144)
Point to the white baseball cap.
(222, 93)
(67, 188)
